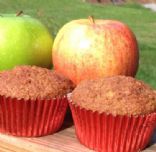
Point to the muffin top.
(32, 82)
(118, 95)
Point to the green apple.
(24, 41)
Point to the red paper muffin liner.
(107, 133)
(31, 118)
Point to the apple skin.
(24, 41)
(88, 49)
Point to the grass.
(55, 13)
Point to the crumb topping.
(32, 82)
(118, 95)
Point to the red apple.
(88, 48)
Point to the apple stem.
(19, 13)
(91, 19)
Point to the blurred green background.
(55, 13)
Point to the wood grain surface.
(63, 141)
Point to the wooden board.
(62, 141)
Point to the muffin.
(115, 114)
(33, 101)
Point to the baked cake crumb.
(32, 82)
(118, 95)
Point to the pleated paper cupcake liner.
(107, 133)
(31, 118)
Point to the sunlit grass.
(55, 13)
